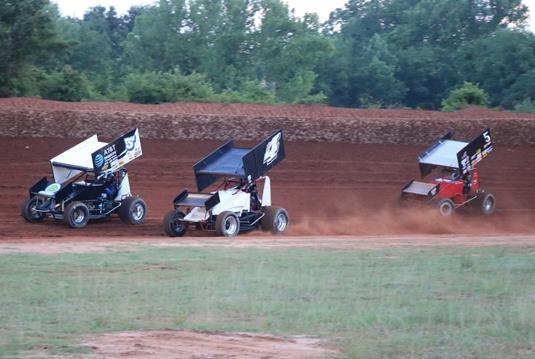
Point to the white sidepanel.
(62, 175)
(50, 190)
(420, 188)
(232, 200)
(124, 191)
(266, 193)
(197, 214)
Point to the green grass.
(440, 303)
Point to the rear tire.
(227, 224)
(29, 213)
(446, 207)
(133, 210)
(276, 220)
(173, 225)
(488, 204)
(76, 215)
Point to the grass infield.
(388, 303)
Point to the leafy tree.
(193, 87)
(527, 105)
(67, 85)
(96, 47)
(26, 31)
(376, 75)
(368, 73)
(501, 63)
(222, 38)
(249, 92)
(172, 86)
(232, 42)
(522, 89)
(288, 50)
(425, 37)
(159, 40)
(466, 95)
(298, 87)
(371, 53)
(92, 53)
(28, 81)
(450, 23)
(147, 87)
(426, 74)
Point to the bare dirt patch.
(165, 344)
(96, 245)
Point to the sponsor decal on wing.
(132, 146)
(99, 161)
(272, 149)
(130, 142)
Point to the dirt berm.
(23, 117)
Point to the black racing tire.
(28, 211)
(276, 220)
(446, 207)
(76, 215)
(173, 225)
(227, 224)
(487, 203)
(133, 210)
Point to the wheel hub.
(281, 222)
(79, 216)
(488, 204)
(231, 225)
(178, 226)
(446, 209)
(138, 212)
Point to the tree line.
(370, 53)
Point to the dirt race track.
(328, 189)
(345, 184)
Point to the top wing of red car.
(458, 155)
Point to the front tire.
(133, 210)
(488, 204)
(227, 224)
(76, 215)
(276, 220)
(29, 213)
(446, 207)
(173, 225)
